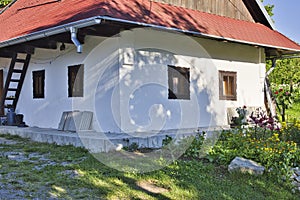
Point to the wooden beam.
(6, 54)
(106, 29)
(21, 48)
(66, 37)
(43, 43)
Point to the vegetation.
(269, 8)
(72, 173)
(285, 85)
(294, 112)
(4, 3)
(287, 71)
(276, 149)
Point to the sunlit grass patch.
(76, 174)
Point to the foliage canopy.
(4, 3)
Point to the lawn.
(294, 112)
(44, 171)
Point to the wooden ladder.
(14, 80)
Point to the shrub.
(291, 132)
(265, 147)
(194, 150)
(284, 96)
(242, 117)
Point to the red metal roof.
(28, 16)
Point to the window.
(227, 85)
(179, 82)
(75, 81)
(38, 78)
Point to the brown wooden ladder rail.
(14, 80)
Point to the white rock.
(245, 166)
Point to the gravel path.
(11, 182)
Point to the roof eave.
(51, 31)
(97, 19)
(266, 15)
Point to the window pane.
(227, 81)
(175, 85)
(75, 81)
(230, 86)
(179, 82)
(38, 83)
(225, 85)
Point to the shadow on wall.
(142, 89)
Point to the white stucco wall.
(144, 80)
(126, 81)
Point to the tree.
(4, 3)
(269, 8)
(285, 81)
(287, 71)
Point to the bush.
(291, 132)
(275, 150)
(194, 150)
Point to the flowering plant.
(242, 118)
(284, 97)
(261, 119)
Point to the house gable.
(228, 8)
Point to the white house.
(136, 65)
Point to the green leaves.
(287, 71)
(285, 95)
(269, 8)
(4, 3)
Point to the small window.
(179, 82)
(227, 85)
(75, 81)
(38, 78)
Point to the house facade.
(137, 66)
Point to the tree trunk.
(283, 112)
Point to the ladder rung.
(12, 89)
(20, 60)
(18, 70)
(15, 80)
(10, 98)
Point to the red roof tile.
(29, 16)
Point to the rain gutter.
(52, 31)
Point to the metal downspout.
(74, 39)
(268, 90)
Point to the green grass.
(294, 112)
(184, 179)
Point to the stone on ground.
(245, 166)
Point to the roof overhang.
(272, 51)
(51, 31)
(262, 17)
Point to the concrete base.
(101, 142)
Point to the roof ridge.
(39, 4)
